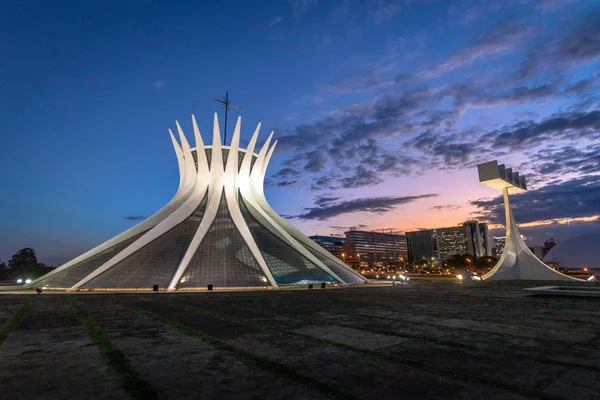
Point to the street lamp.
(344, 257)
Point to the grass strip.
(135, 386)
(385, 356)
(242, 355)
(14, 320)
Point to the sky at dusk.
(382, 109)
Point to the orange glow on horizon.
(560, 221)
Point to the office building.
(499, 243)
(422, 245)
(453, 241)
(478, 234)
(375, 249)
(469, 238)
(333, 244)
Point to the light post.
(344, 257)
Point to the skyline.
(382, 110)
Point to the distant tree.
(418, 264)
(4, 271)
(485, 261)
(24, 264)
(23, 257)
(459, 258)
(462, 260)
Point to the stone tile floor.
(429, 339)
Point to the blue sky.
(382, 109)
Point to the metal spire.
(227, 104)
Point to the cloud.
(359, 83)
(287, 173)
(583, 42)
(290, 116)
(467, 12)
(404, 77)
(352, 136)
(276, 20)
(313, 99)
(384, 10)
(360, 177)
(285, 177)
(571, 199)
(325, 199)
(288, 182)
(356, 135)
(341, 9)
(412, 126)
(158, 85)
(454, 152)
(300, 7)
(376, 205)
(524, 134)
(567, 160)
(570, 45)
(316, 160)
(451, 150)
(581, 86)
(447, 207)
(471, 14)
(553, 5)
(135, 218)
(374, 77)
(501, 39)
(347, 228)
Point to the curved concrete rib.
(231, 196)
(269, 223)
(215, 191)
(183, 192)
(203, 167)
(258, 194)
(517, 261)
(176, 217)
(180, 162)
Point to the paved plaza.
(429, 339)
